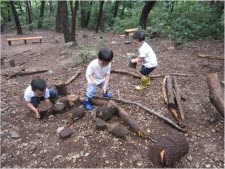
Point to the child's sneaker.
(87, 105)
(108, 95)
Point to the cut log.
(170, 94)
(119, 131)
(150, 111)
(215, 92)
(100, 124)
(210, 57)
(11, 71)
(178, 101)
(12, 63)
(58, 108)
(106, 112)
(74, 114)
(61, 88)
(122, 114)
(43, 108)
(171, 148)
(65, 133)
(73, 78)
(164, 90)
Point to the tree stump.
(12, 63)
(61, 88)
(100, 124)
(58, 108)
(43, 108)
(169, 149)
(65, 133)
(71, 101)
(76, 113)
(105, 112)
(119, 131)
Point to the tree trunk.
(8, 11)
(50, 6)
(58, 24)
(29, 14)
(64, 20)
(18, 26)
(216, 92)
(73, 27)
(115, 11)
(145, 11)
(71, 7)
(170, 94)
(88, 14)
(41, 14)
(122, 12)
(99, 15)
(82, 13)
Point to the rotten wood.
(135, 75)
(150, 111)
(177, 94)
(210, 57)
(73, 78)
(215, 92)
(164, 90)
(61, 88)
(170, 93)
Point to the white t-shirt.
(28, 94)
(97, 71)
(149, 56)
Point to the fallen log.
(106, 112)
(215, 92)
(164, 90)
(74, 114)
(169, 149)
(61, 88)
(150, 111)
(32, 72)
(210, 57)
(178, 101)
(170, 93)
(122, 114)
(135, 75)
(73, 78)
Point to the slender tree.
(8, 11)
(73, 27)
(29, 14)
(41, 14)
(115, 11)
(17, 20)
(82, 13)
(58, 23)
(88, 13)
(145, 11)
(50, 6)
(100, 17)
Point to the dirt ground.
(39, 145)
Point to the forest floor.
(39, 145)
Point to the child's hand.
(133, 60)
(104, 89)
(37, 114)
(95, 83)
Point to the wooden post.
(25, 41)
(170, 94)
(9, 42)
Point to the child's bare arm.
(138, 59)
(93, 80)
(107, 77)
(30, 106)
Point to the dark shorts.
(36, 100)
(146, 71)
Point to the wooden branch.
(178, 99)
(32, 72)
(174, 113)
(73, 78)
(210, 57)
(215, 92)
(164, 89)
(170, 94)
(135, 75)
(150, 111)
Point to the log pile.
(172, 98)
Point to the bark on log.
(65, 133)
(119, 131)
(210, 57)
(100, 124)
(170, 94)
(123, 114)
(178, 101)
(73, 78)
(61, 88)
(164, 90)
(150, 111)
(74, 114)
(106, 112)
(215, 92)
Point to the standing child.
(98, 74)
(147, 57)
(36, 93)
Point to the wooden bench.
(129, 32)
(24, 38)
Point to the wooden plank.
(131, 30)
(24, 38)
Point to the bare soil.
(40, 146)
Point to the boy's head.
(139, 36)
(38, 86)
(105, 56)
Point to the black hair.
(38, 84)
(139, 36)
(105, 55)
